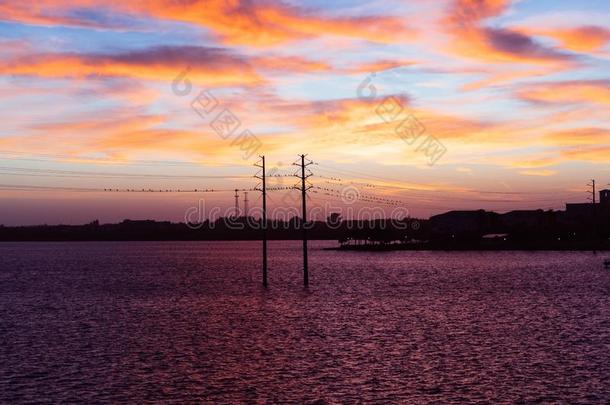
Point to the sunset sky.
(94, 96)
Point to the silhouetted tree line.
(221, 229)
(536, 229)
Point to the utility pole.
(304, 189)
(263, 190)
(593, 200)
(236, 203)
(592, 185)
(245, 204)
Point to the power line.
(74, 173)
(113, 190)
(357, 174)
(431, 197)
(22, 187)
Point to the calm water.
(188, 322)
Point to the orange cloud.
(580, 136)
(499, 77)
(580, 39)
(161, 63)
(367, 122)
(380, 65)
(213, 66)
(237, 22)
(42, 12)
(289, 64)
(473, 40)
(302, 24)
(102, 124)
(347, 112)
(578, 144)
(590, 154)
(468, 13)
(121, 136)
(536, 162)
(543, 173)
(593, 92)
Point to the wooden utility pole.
(593, 191)
(263, 190)
(304, 189)
(594, 219)
(236, 203)
(304, 196)
(246, 208)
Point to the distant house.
(604, 197)
(579, 212)
(588, 212)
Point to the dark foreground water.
(188, 322)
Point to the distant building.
(579, 212)
(588, 212)
(604, 197)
